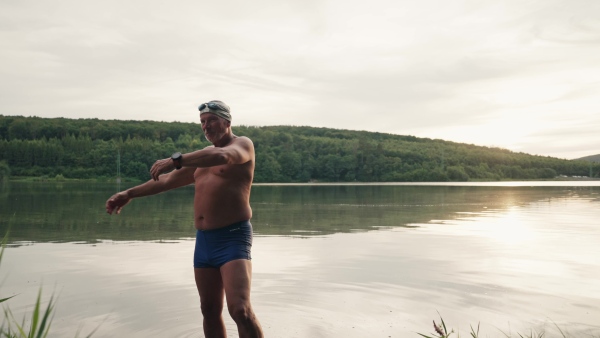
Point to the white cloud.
(508, 74)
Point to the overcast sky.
(516, 74)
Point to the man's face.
(214, 127)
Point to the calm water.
(329, 261)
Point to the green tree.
(457, 173)
(267, 169)
(4, 171)
(291, 166)
(136, 170)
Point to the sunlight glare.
(509, 228)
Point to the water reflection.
(74, 212)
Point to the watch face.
(176, 158)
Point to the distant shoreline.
(505, 181)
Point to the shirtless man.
(222, 175)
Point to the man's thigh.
(210, 286)
(236, 276)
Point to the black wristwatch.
(177, 160)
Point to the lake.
(362, 260)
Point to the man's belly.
(215, 219)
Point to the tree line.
(93, 148)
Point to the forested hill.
(90, 148)
(593, 158)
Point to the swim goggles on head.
(212, 105)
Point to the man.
(222, 175)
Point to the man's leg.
(236, 276)
(210, 289)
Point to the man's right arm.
(172, 180)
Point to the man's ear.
(228, 123)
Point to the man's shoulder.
(243, 140)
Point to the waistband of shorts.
(226, 228)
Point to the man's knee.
(241, 312)
(211, 310)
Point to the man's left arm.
(240, 150)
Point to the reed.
(38, 325)
(441, 331)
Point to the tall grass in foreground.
(38, 326)
(441, 331)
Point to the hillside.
(592, 158)
(91, 148)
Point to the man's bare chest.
(216, 170)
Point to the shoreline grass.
(441, 331)
(38, 326)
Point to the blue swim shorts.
(219, 246)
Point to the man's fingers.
(154, 171)
(159, 167)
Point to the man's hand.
(160, 167)
(116, 202)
